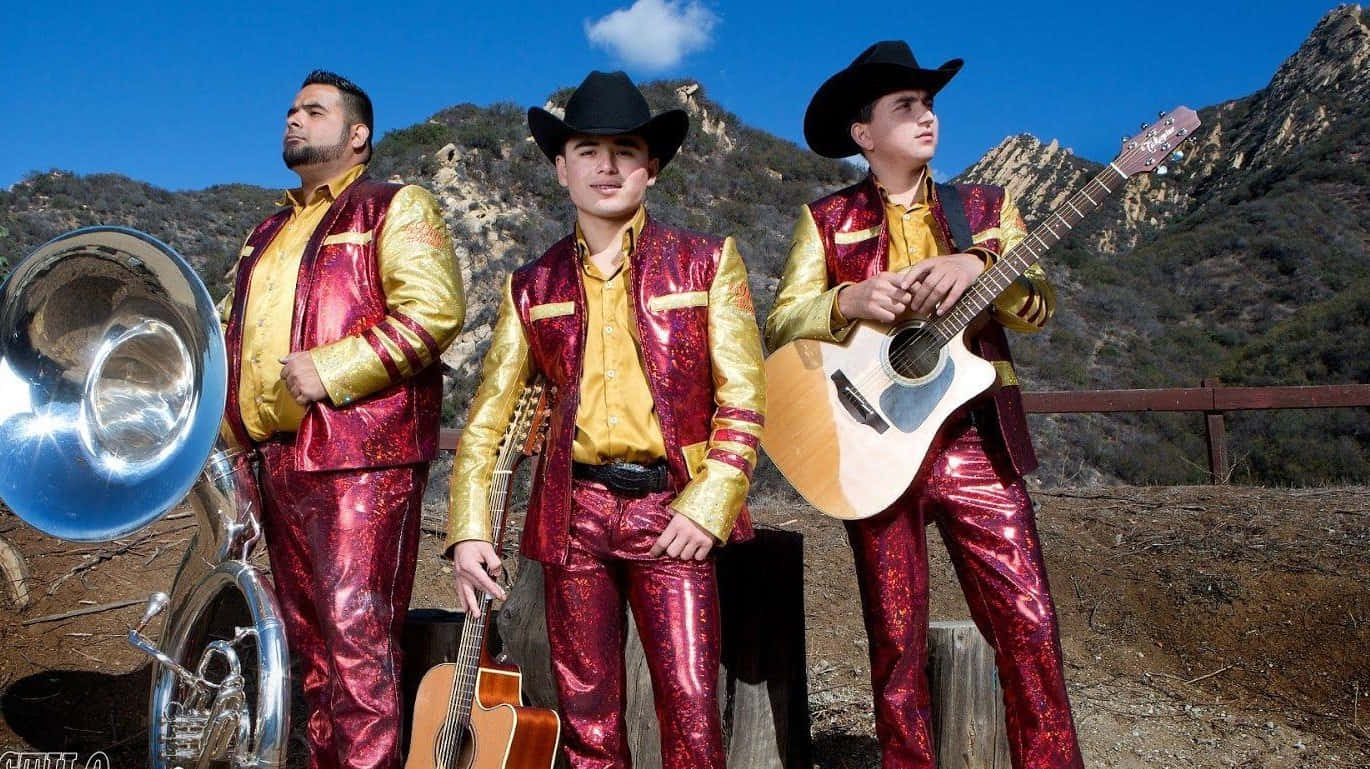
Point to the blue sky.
(186, 95)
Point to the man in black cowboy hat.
(647, 333)
(894, 245)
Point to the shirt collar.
(630, 236)
(928, 193)
(329, 190)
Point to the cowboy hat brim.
(664, 133)
(827, 121)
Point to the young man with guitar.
(648, 336)
(890, 248)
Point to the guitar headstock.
(542, 396)
(1150, 148)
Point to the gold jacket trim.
(351, 238)
(845, 238)
(552, 310)
(676, 301)
(1005, 374)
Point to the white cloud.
(654, 34)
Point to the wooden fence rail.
(1211, 398)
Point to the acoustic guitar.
(849, 425)
(469, 714)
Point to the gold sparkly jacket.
(701, 353)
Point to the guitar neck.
(474, 629)
(1029, 251)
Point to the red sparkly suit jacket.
(861, 207)
(339, 294)
(672, 282)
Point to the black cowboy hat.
(608, 104)
(884, 68)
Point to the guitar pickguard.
(908, 406)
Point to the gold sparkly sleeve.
(713, 498)
(503, 374)
(1029, 301)
(225, 308)
(424, 299)
(805, 306)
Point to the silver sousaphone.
(113, 379)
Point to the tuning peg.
(1161, 170)
(1125, 138)
(1145, 126)
(1177, 156)
(1160, 114)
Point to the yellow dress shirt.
(616, 419)
(714, 496)
(806, 306)
(419, 275)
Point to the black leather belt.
(624, 477)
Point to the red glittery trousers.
(675, 604)
(986, 520)
(343, 547)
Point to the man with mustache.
(892, 246)
(647, 333)
(341, 304)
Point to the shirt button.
(908, 214)
(608, 329)
(258, 399)
(613, 421)
(610, 374)
(261, 322)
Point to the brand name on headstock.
(1160, 142)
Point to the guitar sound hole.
(914, 353)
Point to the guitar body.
(850, 424)
(503, 733)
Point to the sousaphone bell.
(113, 379)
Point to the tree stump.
(967, 700)
(763, 684)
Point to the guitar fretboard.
(995, 280)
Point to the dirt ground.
(1202, 626)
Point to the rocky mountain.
(1249, 261)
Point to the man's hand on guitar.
(882, 298)
(936, 283)
(475, 566)
(683, 539)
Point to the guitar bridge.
(856, 404)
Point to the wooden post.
(763, 685)
(15, 571)
(967, 700)
(1217, 440)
